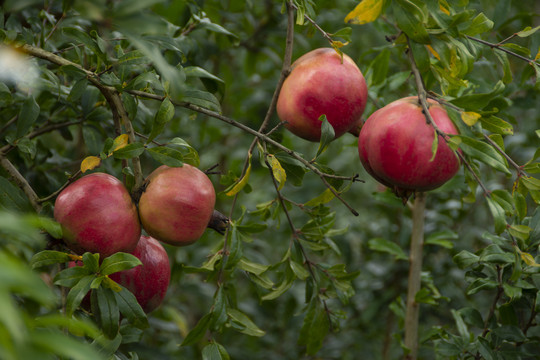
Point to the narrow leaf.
(119, 142)
(239, 185)
(129, 151)
(118, 262)
(27, 116)
(277, 170)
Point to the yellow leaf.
(240, 183)
(120, 142)
(528, 259)
(365, 12)
(470, 118)
(443, 6)
(339, 44)
(279, 173)
(537, 57)
(433, 52)
(323, 198)
(90, 163)
(111, 284)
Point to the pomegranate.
(322, 83)
(395, 146)
(98, 215)
(177, 204)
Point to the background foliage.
(297, 274)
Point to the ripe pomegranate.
(177, 204)
(97, 215)
(322, 83)
(149, 281)
(395, 146)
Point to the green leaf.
(78, 89)
(198, 332)
(163, 116)
(83, 38)
(464, 259)
(442, 238)
(118, 262)
(71, 276)
(243, 324)
(411, 19)
(251, 267)
(507, 71)
(520, 231)
(327, 135)
(496, 125)
(78, 292)
(105, 310)
(129, 151)
(27, 116)
(285, 285)
(299, 270)
(91, 262)
(52, 342)
(314, 328)
(130, 308)
(481, 284)
(12, 198)
(214, 351)
(167, 156)
(528, 31)
(383, 245)
(326, 196)
(48, 257)
(241, 183)
(479, 101)
(480, 24)
(509, 333)
(482, 151)
(201, 98)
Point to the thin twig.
(21, 182)
(71, 179)
(324, 33)
(110, 93)
(10, 121)
(498, 47)
(518, 168)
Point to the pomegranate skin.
(395, 146)
(177, 204)
(98, 215)
(320, 83)
(148, 282)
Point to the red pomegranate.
(322, 83)
(395, 146)
(98, 215)
(177, 204)
(149, 281)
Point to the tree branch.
(260, 136)
(110, 93)
(415, 270)
(21, 182)
(500, 48)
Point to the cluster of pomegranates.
(394, 143)
(98, 215)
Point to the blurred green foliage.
(336, 288)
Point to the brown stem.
(518, 168)
(324, 33)
(415, 272)
(110, 93)
(66, 184)
(21, 182)
(11, 121)
(498, 47)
